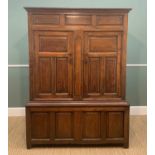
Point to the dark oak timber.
(77, 72)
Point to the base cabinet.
(77, 125)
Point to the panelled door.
(53, 65)
(101, 59)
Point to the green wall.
(18, 45)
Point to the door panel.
(64, 127)
(92, 71)
(61, 75)
(101, 60)
(45, 75)
(103, 44)
(91, 126)
(40, 125)
(115, 120)
(94, 75)
(53, 44)
(53, 65)
(110, 75)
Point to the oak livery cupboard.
(77, 72)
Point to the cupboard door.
(53, 65)
(101, 60)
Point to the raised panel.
(103, 44)
(109, 20)
(115, 125)
(77, 20)
(110, 75)
(44, 75)
(93, 75)
(91, 125)
(62, 75)
(46, 19)
(64, 127)
(40, 125)
(53, 44)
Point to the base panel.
(77, 124)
